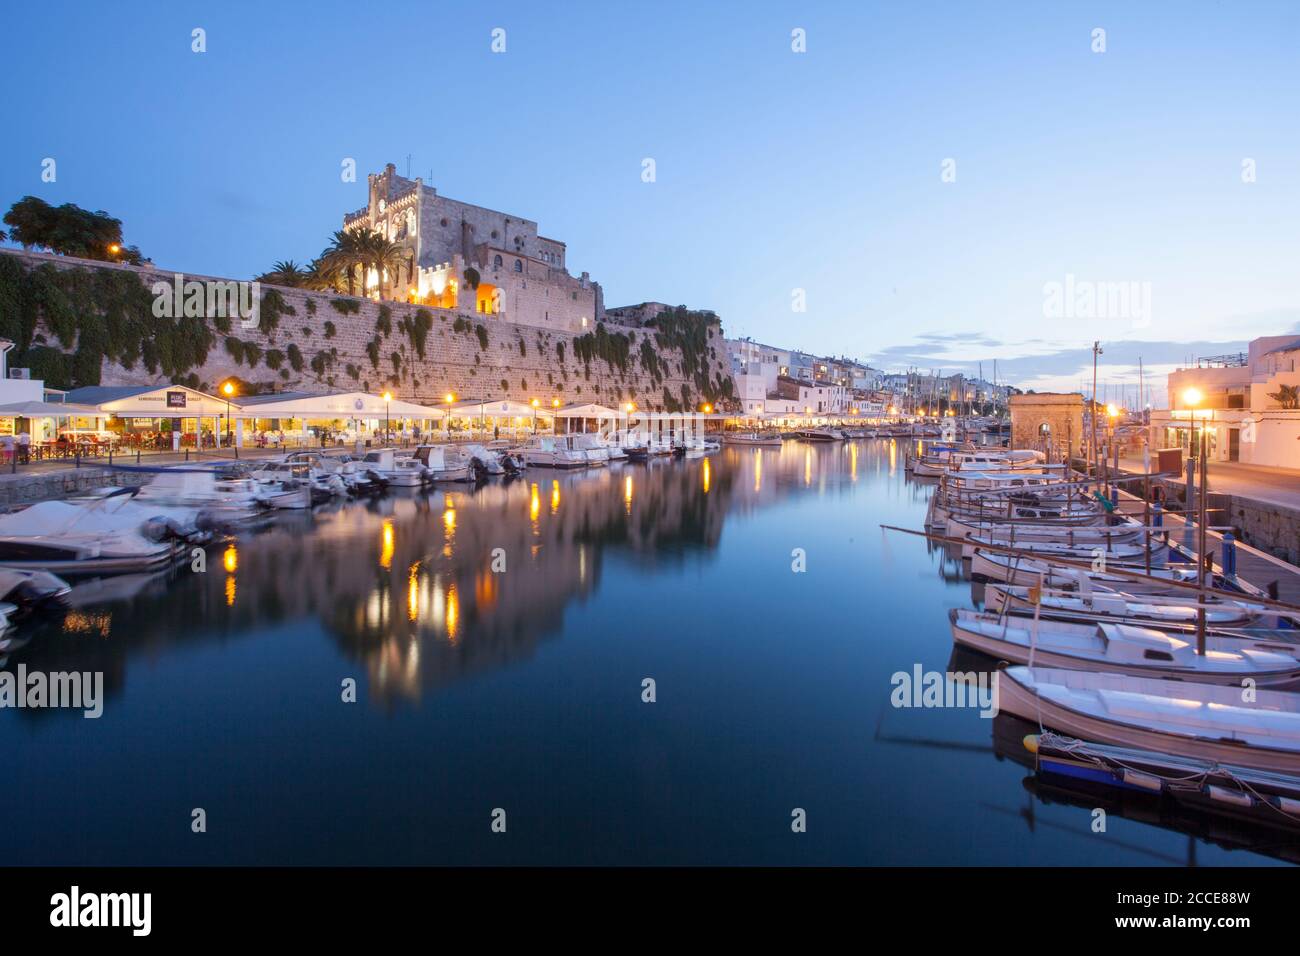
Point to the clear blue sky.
(775, 170)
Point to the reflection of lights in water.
(706, 475)
(893, 456)
(582, 564)
(230, 590)
(853, 461)
(377, 608)
(534, 503)
(627, 493)
(485, 590)
(230, 559)
(438, 608)
(453, 612)
(807, 467)
(758, 469)
(81, 622)
(555, 496)
(386, 548)
(449, 519)
(413, 592)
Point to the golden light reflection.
(81, 622)
(758, 469)
(555, 497)
(705, 475)
(853, 461)
(449, 519)
(893, 456)
(230, 559)
(453, 612)
(807, 467)
(627, 493)
(534, 503)
(413, 592)
(230, 590)
(387, 545)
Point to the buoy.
(1031, 743)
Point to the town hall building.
(461, 256)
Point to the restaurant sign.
(175, 399)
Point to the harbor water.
(505, 642)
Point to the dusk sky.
(775, 170)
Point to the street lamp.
(449, 398)
(555, 421)
(228, 389)
(535, 403)
(388, 432)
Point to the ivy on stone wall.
(384, 324)
(346, 306)
(294, 355)
(94, 314)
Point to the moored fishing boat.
(761, 439)
(1124, 648)
(1181, 718)
(1156, 610)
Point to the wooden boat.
(1267, 798)
(1125, 649)
(1030, 572)
(818, 434)
(762, 439)
(1154, 610)
(1178, 718)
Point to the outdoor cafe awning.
(49, 410)
(500, 408)
(341, 405)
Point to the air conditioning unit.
(20, 373)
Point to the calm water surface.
(522, 690)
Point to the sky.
(926, 178)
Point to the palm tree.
(342, 255)
(286, 272)
(381, 254)
(322, 277)
(1288, 397)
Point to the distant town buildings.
(1248, 405)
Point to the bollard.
(1229, 555)
(1157, 515)
(137, 456)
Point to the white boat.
(589, 445)
(1203, 721)
(546, 451)
(105, 534)
(1029, 534)
(489, 462)
(761, 439)
(1124, 648)
(223, 498)
(1030, 572)
(398, 472)
(1153, 609)
(444, 463)
(328, 475)
(287, 485)
(818, 434)
(30, 589)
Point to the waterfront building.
(1246, 403)
(461, 256)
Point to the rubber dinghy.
(1126, 649)
(1204, 721)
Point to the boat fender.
(1142, 781)
(1031, 743)
(1289, 805)
(1232, 797)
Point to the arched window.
(519, 266)
(496, 262)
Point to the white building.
(1247, 404)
